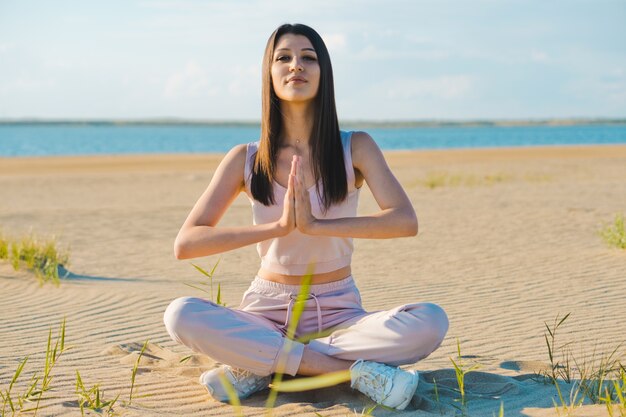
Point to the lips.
(296, 79)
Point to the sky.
(392, 59)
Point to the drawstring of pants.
(317, 305)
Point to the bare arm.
(200, 236)
(395, 219)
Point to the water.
(94, 139)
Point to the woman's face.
(295, 70)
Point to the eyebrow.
(303, 49)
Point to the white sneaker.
(387, 385)
(245, 383)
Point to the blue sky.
(393, 60)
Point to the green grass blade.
(18, 371)
(48, 354)
(619, 393)
(63, 335)
(54, 352)
(549, 330)
(321, 381)
(457, 368)
(111, 403)
(79, 383)
(549, 350)
(501, 412)
(134, 372)
(10, 401)
(298, 306)
(32, 389)
(201, 270)
(232, 394)
(215, 266)
(558, 390)
(563, 319)
(296, 313)
(196, 287)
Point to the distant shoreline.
(347, 123)
(189, 162)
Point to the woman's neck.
(297, 124)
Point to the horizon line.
(554, 121)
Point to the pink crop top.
(291, 254)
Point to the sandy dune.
(508, 240)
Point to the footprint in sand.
(158, 358)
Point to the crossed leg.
(403, 335)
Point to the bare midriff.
(323, 278)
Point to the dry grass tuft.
(615, 234)
(40, 256)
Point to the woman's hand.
(287, 221)
(305, 220)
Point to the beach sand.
(508, 240)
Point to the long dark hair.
(326, 150)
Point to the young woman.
(303, 179)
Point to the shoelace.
(245, 380)
(377, 382)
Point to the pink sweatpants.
(252, 336)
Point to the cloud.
(190, 81)
(446, 87)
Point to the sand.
(508, 240)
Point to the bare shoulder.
(363, 148)
(236, 157)
(360, 139)
(238, 152)
(233, 164)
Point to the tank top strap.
(346, 140)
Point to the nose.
(296, 64)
